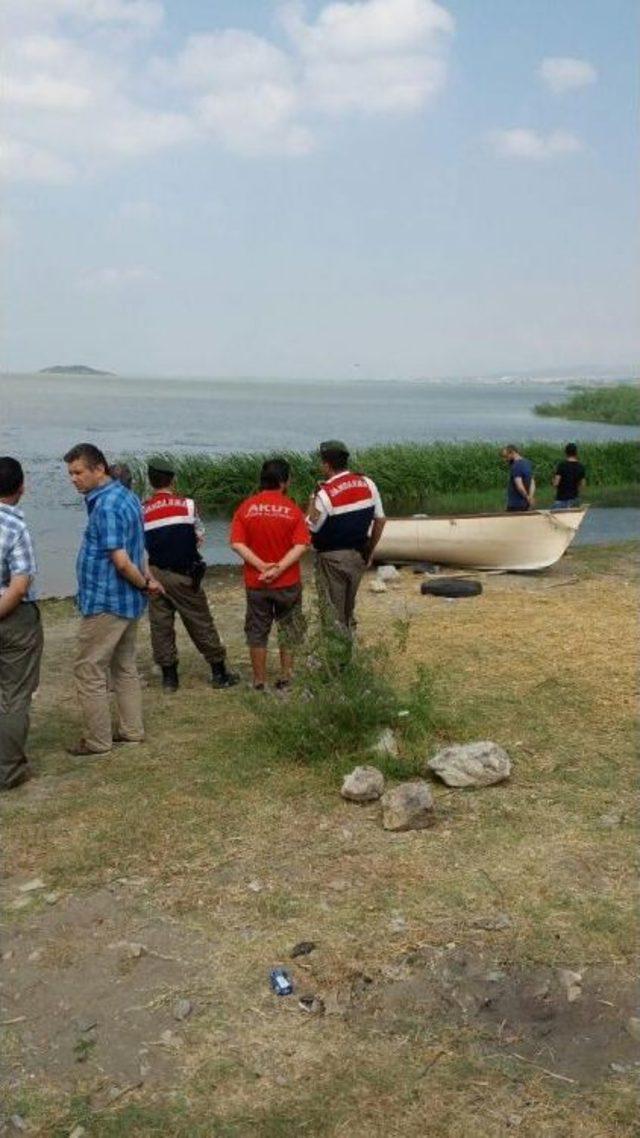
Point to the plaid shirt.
(115, 522)
(16, 549)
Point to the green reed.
(619, 403)
(412, 477)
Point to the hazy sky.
(385, 187)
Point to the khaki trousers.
(20, 655)
(107, 646)
(338, 576)
(193, 608)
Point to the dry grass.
(194, 819)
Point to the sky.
(366, 188)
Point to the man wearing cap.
(173, 532)
(346, 520)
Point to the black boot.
(170, 681)
(221, 678)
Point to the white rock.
(377, 586)
(31, 886)
(471, 764)
(182, 1009)
(388, 573)
(572, 984)
(408, 807)
(386, 744)
(77, 1132)
(255, 886)
(364, 784)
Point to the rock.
(314, 1005)
(31, 886)
(610, 821)
(471, 764)
(364, 784)
(302, 948)
(572, 984)
(633, 1027)
(397, 924)
(255, 886)
(492, 922)
(77, 1132)
(387, 573)
(386, 744)
(408, 807)
(130, 948)
(19, 1123)
(182, 1009)
(377, 586)
(51, 898)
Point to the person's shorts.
(284, 606)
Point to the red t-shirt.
(270, 524)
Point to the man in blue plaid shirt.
(113, 585)
(20, 628)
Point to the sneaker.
(170, 681)
(221, 678)
(81, 750)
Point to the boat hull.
(534, 539)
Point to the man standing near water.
(113, 585)
(569, 479)
(173, 531)
(20, 628)
(346, 520)
(522, 487)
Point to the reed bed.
(412, 477)
(619, 403)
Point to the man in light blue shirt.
(113, 585)
(20, 628)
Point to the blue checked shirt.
(115, 522)
(17, 558)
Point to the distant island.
(73, 369)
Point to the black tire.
(451, 587)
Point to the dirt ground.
(473, 979)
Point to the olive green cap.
(157, 462)
(333, 445)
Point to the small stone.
(255, 886)
(170, 1039)
(495, 977)
(387, 573)
(302, 948)
(572, 984)
(633, 1027)
(514, 1121)
(77, 1132)
(492, 922)
(314, 1005)
(610, 821)
(386, 744)
(182, 1009)
(131, 948)
(31, 886)
(35, 955)
(377, 586)
(51, 898)
(618, 1068)
(364, 784)
(408, 807)
(282, 1080)
(397, 924)
(471, 764)
(19, 1123)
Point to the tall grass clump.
(619, 403)
(334, 712)
(412, 477)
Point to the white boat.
(533, 539)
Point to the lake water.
(41, 416)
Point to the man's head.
(275, 474)
(87, 466)
(160, 473)
(11, 480)
(334, 457)
(571, 450)
(510, 453)
(122, 473)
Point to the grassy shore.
(619, 404)
(415, 478)
(188, 866)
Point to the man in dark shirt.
(569, 479)
(522, 487)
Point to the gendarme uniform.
(172, 530)
(346, 505)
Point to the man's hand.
(154, 588)
(270, 572)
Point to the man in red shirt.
(269, 533)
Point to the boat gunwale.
(465, 517)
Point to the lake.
(41, 416)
